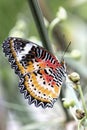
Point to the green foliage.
(8, 15)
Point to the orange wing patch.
(41, 74)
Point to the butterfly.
(40, 73)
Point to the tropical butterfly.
(40, 73)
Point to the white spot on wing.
(27, 48)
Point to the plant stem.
(80, 122)
(38, 17)
(82, 98)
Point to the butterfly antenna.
(62, 58)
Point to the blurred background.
(65, 21)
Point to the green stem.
(74, 116)
(82, 98)
(38, 18)
(80, 122)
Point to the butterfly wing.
(40, 73)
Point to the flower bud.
(74, 77)
(80, 114)
(76, 54)
(68, 103)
